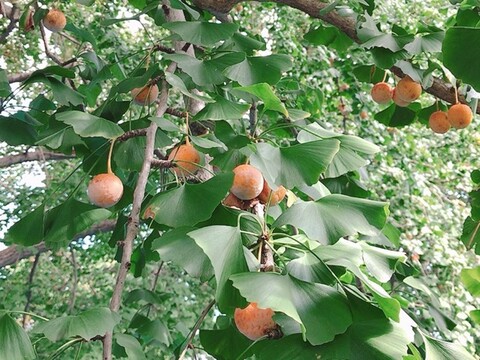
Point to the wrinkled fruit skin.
(186, 158)
(276, 196)
(398, 101)
(254, 322)
(247, 182)
(438, 122)
(55, 20)
(408, 90)
(381, 93)
(145, 95)
(105, 190)
(460, 116)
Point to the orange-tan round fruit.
(247, 182)
(105, 190)
(397, 100)
(55, 20)
(275, 197)
(186, 159)
(408, 90)
(363, 114)
(381, 93)
(254, 322)
(145, 95)
(460, 116)
(438, 122)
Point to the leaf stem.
(109, 159)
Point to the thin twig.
(29, 289)
(253, 118)
(195, 328)
(73, 294)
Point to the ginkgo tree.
(323, 259)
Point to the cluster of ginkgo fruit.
(458, 116)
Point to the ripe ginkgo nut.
(381, 93)
(186, 159)
(55, 20)
(408, 90)
(438, 122)
(146, 95)
(247, 182)
(397, 100)
(460, 116)
(254, 322)
(275, 197)
(105, 190)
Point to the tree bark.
(37, 155)
(15, 253)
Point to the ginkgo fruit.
(186, 159)
(381, 93)
(363, 114)
(275, 197)
(397, 100)
(247, 182)
(105, 190)
(460, 115)
(55, 20)
(438, 122)
(408, 90)
(254, 322)
(145, 95)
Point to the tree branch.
(15, 253)
(440, 89)
(36, 155)
(13, 14)
(134, 219)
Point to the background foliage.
(424, 177)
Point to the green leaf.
(55, 70)
(428, 43)
(14, 131)
(321, 309)
(131, 345)
(87, 125)
(88, 324)
(396, 116)
(224, 344)
(178, 84)
(202, 72)
(348, 156)
(189, 204)
(155, 330)
(222, 109)
(265, 93)
(145, 295)
(202, 33)
(442, 350)
(381, 262)
(372, 37)
(14, 341)
(5, 89)
(179, 248)
(281, 166)
(81, 34)
(334, 216)
(328, 36)
(475, 315)
(258, 69)
(223, 246)
(70, 218)
(371, 336)
(471, 234)
(309, 268)
(461, 49)
(471, 280)
(29, 230)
